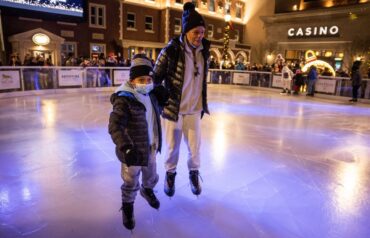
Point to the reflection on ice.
(4, 199)
(351, 174)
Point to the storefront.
(337, 36)
(37, 42)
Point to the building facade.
(331, 31)
(119, 27)
(92, 34)
(148, 26)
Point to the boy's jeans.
(130, 176)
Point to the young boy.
(135, 128)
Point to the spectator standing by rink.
(182, 65)
(279, 62)
(239, 65)
(298, 81)
(135, 128)
(287, 76)
(356, 80)
(311, 80)
(14, 60)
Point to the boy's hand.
(130, 155)
(162, 95)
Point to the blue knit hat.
(140, 66)
(191, 18)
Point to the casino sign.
(315, 31)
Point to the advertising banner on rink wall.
(120, 76)
(241, 78)
(325, 85)
(277, 81)
(72, 77)
(9, 79)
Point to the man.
(356, 80)
(182, 65)
(311, 78)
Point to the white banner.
(71, 77)
(277, 81)
(9, 79)
(325, 85)
(120, 76)
(241, 78)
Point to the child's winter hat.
(191, 18)
(140, 66)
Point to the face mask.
(144, 88)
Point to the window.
(211, 6)
(97, 49)
(210, 31)
(237, 35)
(195, 3)
(97, 15)
(148, 23)
(238, 10)
(179, 1)
(131, 20)
(130, 52)
(68, 49)
(177, 25)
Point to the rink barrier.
(49, 79)
(328, 85)
(29, 78)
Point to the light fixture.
(227, 9)
(227, 17)
(40, 39)
(328, 54)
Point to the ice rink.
(273, 166)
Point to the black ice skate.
(150, 197)
(169, 184)
(128, 219)
(194, 182)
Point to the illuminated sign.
(316, 31)
(311, 59)
(40, 39)
(61, 7)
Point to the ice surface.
(272, 166)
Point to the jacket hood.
(124, 89)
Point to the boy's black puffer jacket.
(128, 126)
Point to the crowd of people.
(98, 60)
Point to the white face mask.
(143, 88)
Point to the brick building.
(117, 27)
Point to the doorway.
(43, 54)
